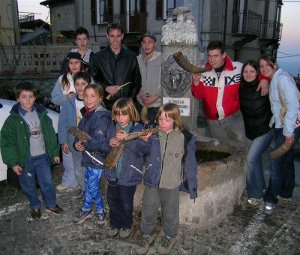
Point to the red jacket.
(220, 95)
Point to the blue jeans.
(282, 179)
(38, 166)
(120, 201)
(92, 190)
(254, 176)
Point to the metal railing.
(246, 22)
(271, 30)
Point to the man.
(150, 62)
(219, 90)
(81, 41)
(114, 66)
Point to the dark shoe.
(56, 210)
(167, 243)
(36, 213)
(80, 195)
(101, 219)
(83, 216)
(146, 243)
(269, 208)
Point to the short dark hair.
(112, 26)
(251, 63)
(83, 75)
(213, 45)
(28, 86)
(81, 30)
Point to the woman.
(282, 91)
(257, 113)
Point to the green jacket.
(15, 137)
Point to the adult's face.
(266, 68)
(115, 38)
(249, 73)
(216, 58)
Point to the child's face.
(91, 99)
(80, 85)
(82, 41)
(74, 65)
(165, 123)
(26, 99)
(122, 119)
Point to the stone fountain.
(221, 174)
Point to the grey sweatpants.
(168, 199)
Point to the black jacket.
(109, 69)
(256, 110)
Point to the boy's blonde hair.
(125, 106)
(172, 111)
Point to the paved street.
(247, 231)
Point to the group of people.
(90, 98)
(237, 107)
(104, 95)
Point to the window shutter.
(123, 7)
(159, 9)
(143, 5)
(110, 9)
(93, 12)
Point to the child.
(171, 163)
(64, 86)
(70, 116)
(81, 40)
(97, 123)
(123, 179)
(28, 146)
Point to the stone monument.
(180, 35)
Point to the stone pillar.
(180, 35)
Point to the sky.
(289, 49)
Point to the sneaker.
(166, 244)
(61, 188)
(101, 219)
(56, 210)
(125, 232)
(83, 216)
(112, 232)
(286, 199)
(254, 201)
(146, 243)
(80, 195)
(36, 213)
(269, 208)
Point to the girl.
(283, 90)
(172, 161)
(257, 113)
(123, 179)
(97, 123)
(70, 116)
(64, 86)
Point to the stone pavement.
(247, 231)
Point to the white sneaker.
(62, 188)
(254, 201)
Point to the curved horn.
(186, 65)
(285, 147)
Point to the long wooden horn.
(285, 147)
(186, 65)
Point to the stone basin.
(221, 183)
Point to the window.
(102, 11)
(164, 8)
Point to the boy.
(70, 115)
(81, 40)
(28, 144)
